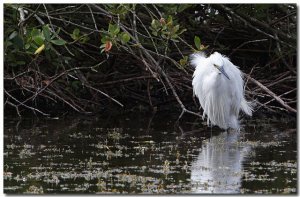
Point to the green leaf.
(75, 85)
(33, 46)
(154, 33)
(183, 61)
(125, 37)
(174, 36)
(197, 42)
(7, 44)
(155, 24)
(84, 39)
(104, 38)
(175, 29)
(182, 7)
(55, 34)
(20, 62)
(35, 32)
(116, 31)
(75, 34)
(18, 42)
(169, 21)
(181, 31)
(46, 32)
(59, 42)
(27, 46)
(39, 40)
(12, 35)
(113, 29)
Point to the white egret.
(219, 86)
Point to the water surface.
(148, 154)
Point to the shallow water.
(142, 153)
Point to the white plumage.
(219, 86)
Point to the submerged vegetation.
(92, 57)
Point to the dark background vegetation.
(91, 58)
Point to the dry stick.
(243, 44)
(52, 28)
(64, 73)
(54, 79)
(272, 94)
(23, 22)
(154, 62)
(230, 11)
(137, 40)
(16, 76)
(262, 105)
(32, 108)
(15, 106)
(280, 96)
(88, 86)
(125, 80)
(70, 22)
(93, 17)
(161, 71)
(218, 35)
(149, 94)
(170, 85)
(22, 19)
(249, 75)
(134, 20)
(169, 58)
(283, 60)
(43, 95)
(278, 20)
(160, 15)
(281, 80)
(64, 100)
(277, 80)
(265, 26)
(68, 97)
(140, 57)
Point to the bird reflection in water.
(218, 168)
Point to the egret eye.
(216, 66)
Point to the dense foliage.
(89, 57)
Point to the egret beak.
(221, 69)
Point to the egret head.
(217, 61)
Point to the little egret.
(218, 84)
